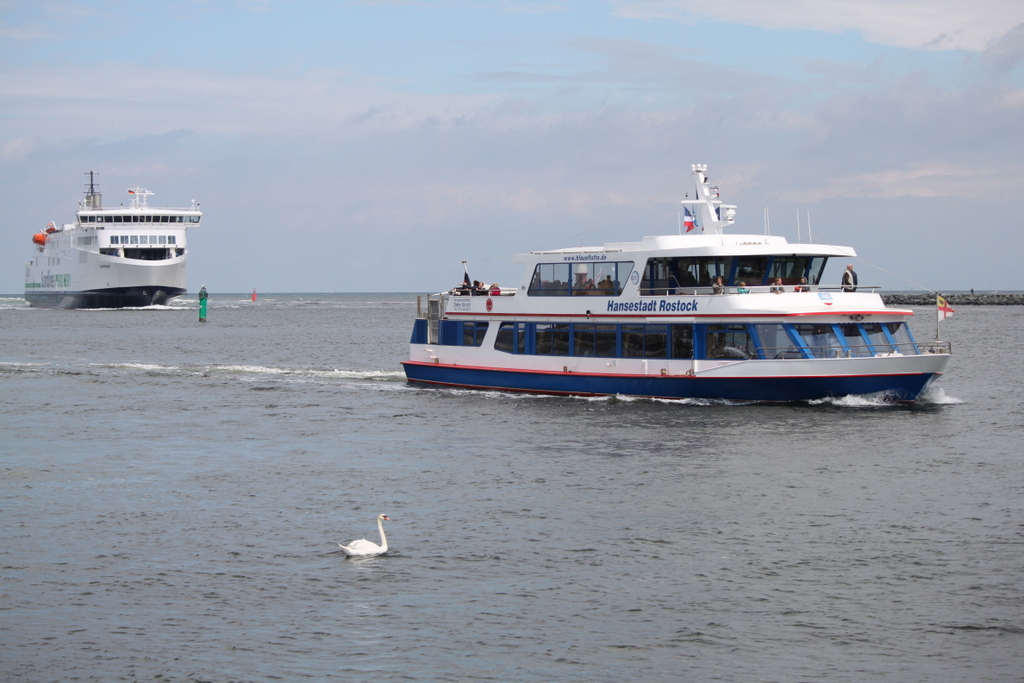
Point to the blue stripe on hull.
(899, 387)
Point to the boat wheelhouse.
(114, 257)
(708, 316)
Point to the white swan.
(363, 548)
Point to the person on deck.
(719, 286)
(849, 279)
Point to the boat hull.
(897, 387)
(114, 297)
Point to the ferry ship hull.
(114, 297)
(898, 387)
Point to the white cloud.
(920, 24)
(932, 179)
(17, 149)
(115, 101)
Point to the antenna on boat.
(715, 214)
(809, 238)
(93, 199)
(798, 225)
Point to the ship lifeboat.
(50, 228)
(39, 238)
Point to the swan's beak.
(387, 519)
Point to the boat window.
(854, 341)
(815, 268)
(608, 277)
(606, 341)
(682, 341)
(550, 279)
(143, 239)
(473, 333)
(632, 341)
(775, 342)
(729, 342)
(820, 339)
(751, 269)
(680, 275)
(114, 239)
(583, 340)
(656, 341)
(876, 337)
(511, 338)
(790, 269)
(901, 335)
(644, 341)
(602, 278)
(134, 239)
(171, 239)
(147, 254)
(552, 339)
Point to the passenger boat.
(112, 257)
(646, 319)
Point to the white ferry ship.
(649, 319)
(111, 257)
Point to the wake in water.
(933, 396)
(243, 371)
(937, 396)
(609, 398)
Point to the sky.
(373, 145)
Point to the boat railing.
(751, 289)
(469, 291)
(853, 351)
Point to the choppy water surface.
(173, 496)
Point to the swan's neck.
(383, 538)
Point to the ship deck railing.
(690, 290)
(469, 291)
(852, 351)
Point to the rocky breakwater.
(960, 299)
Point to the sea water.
(173, 494)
